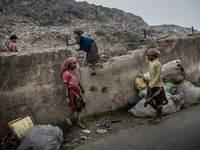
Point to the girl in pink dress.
(73, 97)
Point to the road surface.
(179, 131)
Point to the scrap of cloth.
(78, 31)
(92, 56)
(66, 63)
(153, 51)
(159, 97)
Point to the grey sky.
(185, 13)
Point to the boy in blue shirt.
(88, 45)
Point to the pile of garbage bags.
(179, 92)
(171, 72)
(42, 137)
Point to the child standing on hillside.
(155, 92)
(73, 97)
(88, 45)
(11, 46)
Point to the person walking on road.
(155, 92)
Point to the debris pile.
(186, 94)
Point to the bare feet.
(156, 116)
(80, 125)
(68, 122)
(155, 121)
(160, 119)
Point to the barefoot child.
(155, 92)
(73, 97)
(88, 45)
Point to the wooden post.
(145, 34)
(162, 37)
(192, 29)
(114, 36)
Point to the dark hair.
(78, 31)
(13, 37)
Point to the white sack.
(191, 95)
(42, 137)
(174, 105)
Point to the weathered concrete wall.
(32, 83)
(118, 77)
(187, 50)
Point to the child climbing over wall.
(155, 92)
(73, 97)
(88, 45)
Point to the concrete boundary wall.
(31, 83)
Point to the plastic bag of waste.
(102, 130)
(168, 86)
(140, 84)
(143, 93)
(42, 137)
(173, 105)
(191, 94)
(171, 72)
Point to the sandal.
(105, 126)
(116, 120)
(68, 122)
(81, 126)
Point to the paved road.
(179, 131)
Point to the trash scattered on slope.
(116, 120)
(86, 131)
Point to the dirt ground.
(176, 132)
(76, 139)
